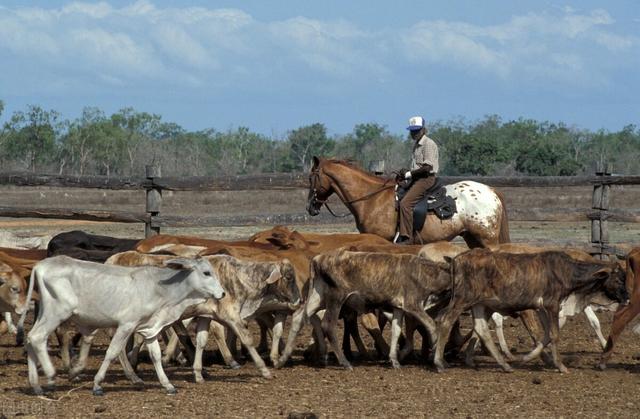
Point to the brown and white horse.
(481, 218)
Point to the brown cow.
(13, 290)
(161, 242)
(316, 242)
(360, 280)
(486, 281)
(625, 314)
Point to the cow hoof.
(396, 365)
(199, 380)
(267, 374)
(507, 368)
(98, 392)
(563, 369)
(38, 391)
(172, 391)
(234, 365)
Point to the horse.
(481, 217)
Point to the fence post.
(154, 200)
(600, 203)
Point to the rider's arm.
(422, 171)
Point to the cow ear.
(275, 276)
(2, 281)
(602, 274)
(180, 263)
(448, 259)
(5, 268)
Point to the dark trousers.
(416, 192)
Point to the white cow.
(93, 295)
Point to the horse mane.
(352, 164)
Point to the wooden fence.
(154, 184)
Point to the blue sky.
(276, 65)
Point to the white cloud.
(562, 47)
(192, 46)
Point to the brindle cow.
(402, 283)
(486, 281)
(625, 314)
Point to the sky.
(273, 66)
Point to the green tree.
(32, 136)
(309, 141)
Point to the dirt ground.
(372, 389)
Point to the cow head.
(202, 277)
(281, 284)
(13, 290)
(614, 283)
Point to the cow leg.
(118, 341)
(85, 346)
(532, 327)
(185, 340)
(396, 329)
(357, 339)
(37, 351)
(594, 322)
(11, 328)
(471, 349)
(219, 336)
(307, 311)
(329, 323)
(156, 357)
(65, 351)
(553, 324)
(426, 321)
(481, 327)
(276, 336)
(138, 341)
(374, 325)
(410, 326)
(621, 318)
(171, 345)
(449, 317)
(266, 323)
(349, 317)
(498, 319)
(238, 326)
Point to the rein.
(316, 175)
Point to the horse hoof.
(172, 391)
(98, 392)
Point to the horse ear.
(316, 161)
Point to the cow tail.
(503, 236)
(23, 316)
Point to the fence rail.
(277, 181)
(599, 215)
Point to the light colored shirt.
(425, 151)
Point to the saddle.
(435, 200)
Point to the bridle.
(315, 178)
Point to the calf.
(625, 314)
(486, 281)
(13, 290)
(93, 296)
(253, 288)
(401, 283)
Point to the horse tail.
(503, 236)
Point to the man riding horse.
(421, 177)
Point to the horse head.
(320, 187)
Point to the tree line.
(121, 144)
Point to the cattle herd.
(140, 290)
